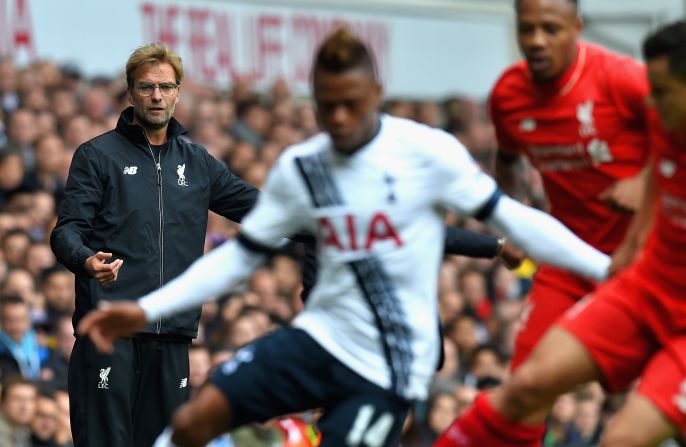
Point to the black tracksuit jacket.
(151, 214)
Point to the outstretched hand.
(111, 321)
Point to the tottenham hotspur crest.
(182, 177)
(104, 378)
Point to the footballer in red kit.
(633, 326)
(584, 129)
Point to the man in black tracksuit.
(138, 196)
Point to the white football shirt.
(378, 217)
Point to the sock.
(164, 439)
(482, 425)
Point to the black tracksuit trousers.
(127, 398)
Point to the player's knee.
(188, 430)
(615, 438)
(527, 390)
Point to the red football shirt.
(662, 265)
(583, 132)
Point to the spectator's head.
(44, 423)
(451, 360)
(487, 362)
(153, 75)
(63, 434)
(8, 75)
(563, 410)
(547, 31)
(18, 397)
(77, 131)
(15, 245)
(256, 174)
(665, 54)
(200, 363)
(57, 284)
(21, 127)
(64, 332)
(450, 304)
(465, 396)
(463, 332)
(15, 318)
(587, 416)
(442, 410)
(20, 282)
(49, 153)
(287, 274)
(63, 104)
(36, 100)
(96, 104)
(473, 287)
(38, 258)
(346, 92)
(11, 170)
(42, 209)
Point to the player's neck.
(569, 76)
(373, 132)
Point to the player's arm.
(626, 195)
(459, 241)
(69, 238)
(275, 214)
(639, 229)
(544, 238)
(511, 174)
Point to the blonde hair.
(154, 53)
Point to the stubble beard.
(148, 121)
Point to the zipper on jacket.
(158, 165)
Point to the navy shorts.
(287, 372)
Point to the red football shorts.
(627, 328)
(552, 294)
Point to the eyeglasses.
(147, 89)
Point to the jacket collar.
(134, 132)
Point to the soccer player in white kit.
(373, 188)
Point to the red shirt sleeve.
(628, 85)
(506, 143)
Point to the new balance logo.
(184, 383)
(104, 378)
(130, 170)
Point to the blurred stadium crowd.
(47, 111)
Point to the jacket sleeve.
(82, 198)
(230, 196)
(468, 243)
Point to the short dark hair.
(670, 41)
(11, 299)
(12, 381)
(517, 3)
(343, 51)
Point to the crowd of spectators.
(47, 111)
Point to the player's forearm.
(545, 239)
(208, 277)
(459, 241)
(643, 219)
(511, 174)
